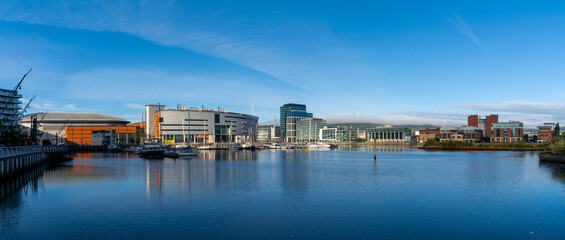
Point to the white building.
(186, 125)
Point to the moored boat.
(114, 148)
(152, 151)
(186, 152)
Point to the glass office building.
(308, 129)
(290, 114)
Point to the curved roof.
(75, 117)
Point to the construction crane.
(10, 100)
(23, 111)
(60, 130)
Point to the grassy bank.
(460, 145)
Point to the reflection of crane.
(60, 130)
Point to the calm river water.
(404, 194)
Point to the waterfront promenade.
(15, 160)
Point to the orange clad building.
(83, 134)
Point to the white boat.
(274, 146)
(206, 147)
(318, 145)
(186, 152)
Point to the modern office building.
(76, 128)
(389, 134)
(290, 114)
(545, 132)
(205, 125)
(337, 134)
(308, 129)
(268, 133)
(10, 107)
(507, 132)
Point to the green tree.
(14, 136)
(556, 131)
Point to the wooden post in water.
(306, 149)
(375, 155)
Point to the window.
(217, 118)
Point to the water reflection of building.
(208, 173)
(294, 173)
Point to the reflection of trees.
(557, 170)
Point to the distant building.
(429, 131)
(308, 129)
(464, 133)
(151, 111)
(389, 134)
(483, 124)
(489, 121)
(361, 134)
(425, 137)
(473, 120)
(337, 134)
(268, 134)
(10, 107)
(290, 114)
(507, 132)
(205, 125)
(103, 137)
(545, 132)
(77, 128)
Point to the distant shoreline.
(467, 146)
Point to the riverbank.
(469, 146)
(552, 157)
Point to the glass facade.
(308, 129)
(290, 114)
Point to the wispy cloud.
(134, 106)
(307, 46)
(41, 105)
(460, 24)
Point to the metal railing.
(11, 151)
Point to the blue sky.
(374, 61)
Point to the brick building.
(507, 132)
(545, 132)
(464, 133)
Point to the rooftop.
(74, 117)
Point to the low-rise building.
(268, 134)
(389, 134)
(421, 138)
(464, 133)
(337, 134)
(507, 132)
(545, 132)
(103, 137)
